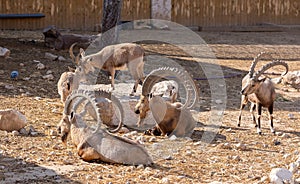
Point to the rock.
(141, 166)
(53, 133)
(133, 133)
(240, 146)
(293, 167)
(124, 130)
(50, 56)
(291, 116)
(23, 131)
(285, 135)
(48, 77)
(165, 180)
(26, 78)
(276, 142)
(169, 157)
(4, 52)
(173, 137)
(40, 66)
(152, 139)
(278, 133)
(280, 175)
(15, 133)
(236, 158)
(49, 72)
(141, 138)
(188, 153)
(263, 179)
(9, 86)
(226, 145)
(3, 133)
(2, 72)
(61, 58)
(11, 120)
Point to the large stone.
(11, 120)
(280, 175)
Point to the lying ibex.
(99, 145)
(172, 119)
(65, 88)
(169, 115)
(104, 112)
(168, 89)
(260, 91)
(112, 58)
(54, 39)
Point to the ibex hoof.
(238, 124)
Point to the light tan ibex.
(168, 115)
(112, 58)
(260, 91)
(99, 145)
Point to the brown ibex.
(112, 58)
(98, 144)
(260, 91)
(168, 115)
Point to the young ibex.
(172, 112)
(99, 145)
(112, 58)
(260, 91)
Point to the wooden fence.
(83, 15)
(235, 12)
(86, 15)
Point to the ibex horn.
(74, 59)
(255, 61)
(270, 65)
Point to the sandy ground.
(43, 159)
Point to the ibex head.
(254, 80)
(158, 75)
(83, 67)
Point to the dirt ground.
(42, 158)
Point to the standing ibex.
(112, 58)
(168, 115)
(260, 91)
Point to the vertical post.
(110, 20)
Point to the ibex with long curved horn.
(99, 144)
(112, 58)
(260, 91)
(166, 122)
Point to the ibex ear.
(71, 69)
(68, 86)
(72, 115)
(262, 79)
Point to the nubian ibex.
(99, 144)
(169, 116)
(260, 91)
(112, 58)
